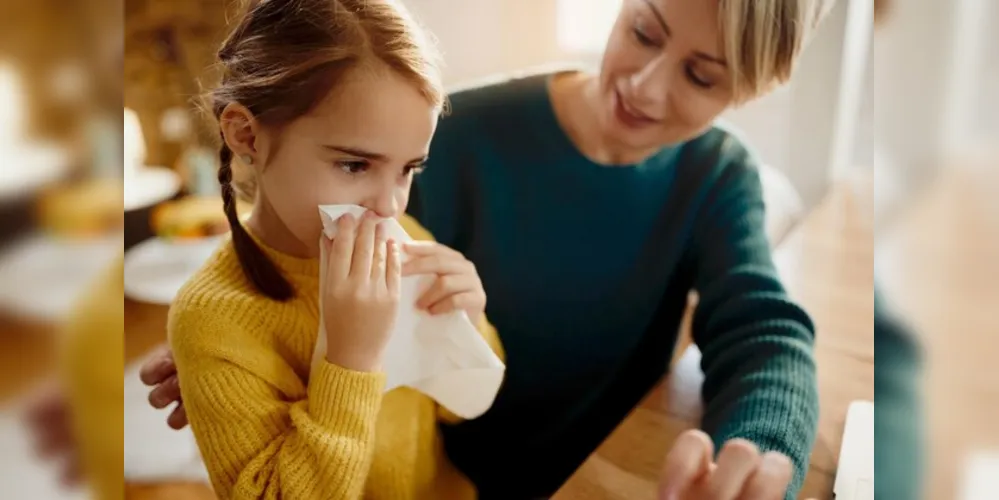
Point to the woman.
(591, 205)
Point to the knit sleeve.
(899, 419)
(757, 345)
(261, 433)
(92, 360)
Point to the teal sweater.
(587, 270)
(898, 419)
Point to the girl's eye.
(414, 168)
(353, 167)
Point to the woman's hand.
(741, 472)
(457, 286)
(160, 373)
(361, 293)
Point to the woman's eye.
(353, 167)
(642, 38)
(697, 79)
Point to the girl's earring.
(247, 159)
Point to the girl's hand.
(361, 293)
(457, 286)
(740, 472)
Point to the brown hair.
(282, 58)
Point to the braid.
(257, 267)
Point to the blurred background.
(882, 172)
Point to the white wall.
(482, 37)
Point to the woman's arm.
(260, 432)
(898, 421)
(756, 344)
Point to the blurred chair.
(784, 210)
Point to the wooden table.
(826, 265)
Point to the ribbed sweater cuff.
(344, 399)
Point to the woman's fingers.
(167, 392)
(158, 367)
(770, 480)
(736, 462)
(178, 417)
(687, 461)
(393, 267)
(341, 249)
(360, 265)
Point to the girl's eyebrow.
(368, 154)
(357, 152)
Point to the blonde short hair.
(762, 40)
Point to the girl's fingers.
(456, 302)
(444, 286)
(379, 256)
(360, 265)
(393, 267)
(438, 263)
(338, 260)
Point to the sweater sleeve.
(898, 421)
(260, 432)
(92, 363)
(756, 344)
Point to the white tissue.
(443, 356)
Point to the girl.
(321, 102)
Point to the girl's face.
(361, 145)
(663, 79)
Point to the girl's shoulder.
(414, 229)
(218, 296)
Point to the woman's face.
(663, 79)
(361, 146)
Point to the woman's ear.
(240, 131)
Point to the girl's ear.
(240, 131)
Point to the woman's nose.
(651, 85)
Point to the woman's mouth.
(628, 115)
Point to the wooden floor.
(948, 288)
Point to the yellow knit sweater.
(269, 426)
(92, 363)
